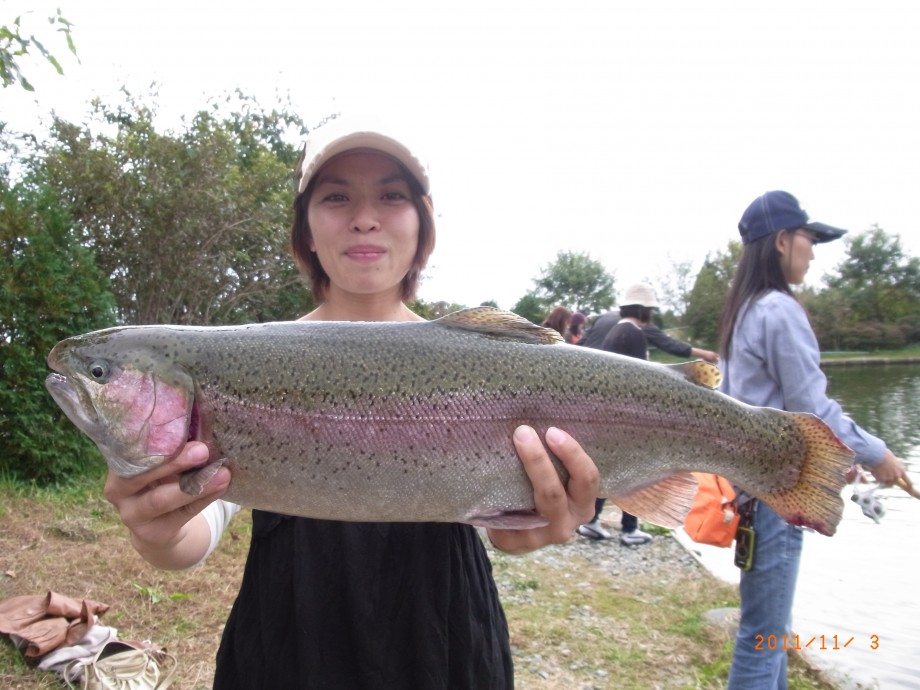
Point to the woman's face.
(796, 249)
(364, 223)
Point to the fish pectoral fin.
(663, 503)
(507, 519)
(498, 323)
(192, 482)
(700, 372)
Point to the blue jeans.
(767, 591)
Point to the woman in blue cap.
(770, 358)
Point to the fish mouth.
(74, 402)
(78, 408)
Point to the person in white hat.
(326, 604)
(594, 337)
(626, 338)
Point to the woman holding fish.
(329, 604)
(770, 358)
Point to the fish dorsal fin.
(699, 372)
(499, 323)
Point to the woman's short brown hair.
(309, 264)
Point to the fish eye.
(99, 370)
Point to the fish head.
(123, 393)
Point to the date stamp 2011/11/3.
(820, 643)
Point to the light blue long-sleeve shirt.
(775, 362)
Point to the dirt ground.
(84, 553)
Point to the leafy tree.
(531, 308)
(879, 282)
(872, 300)
(708, 294)
(50, 288)
(190, 226)
(574, 280)
(674, 289)
(14, 46)
(434, 310)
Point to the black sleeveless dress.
(376, 606)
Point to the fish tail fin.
(814, 501)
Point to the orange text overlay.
(818, 643)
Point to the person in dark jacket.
(654, 335)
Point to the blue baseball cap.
(775, 211)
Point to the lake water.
(858, 596)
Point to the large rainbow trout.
(413, 421)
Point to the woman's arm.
(794, 359)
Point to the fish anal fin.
(814, 500)
(663, 503)
(498, 323)
(700, 372)
(509, 519)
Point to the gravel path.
(627, 569)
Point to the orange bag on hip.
(713, 517)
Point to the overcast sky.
(636, 132)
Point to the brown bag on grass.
(48, 621)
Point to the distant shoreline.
(845, 361)
(829, 361)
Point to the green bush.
(50, 288)
(871, 336)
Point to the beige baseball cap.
(346, 133)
